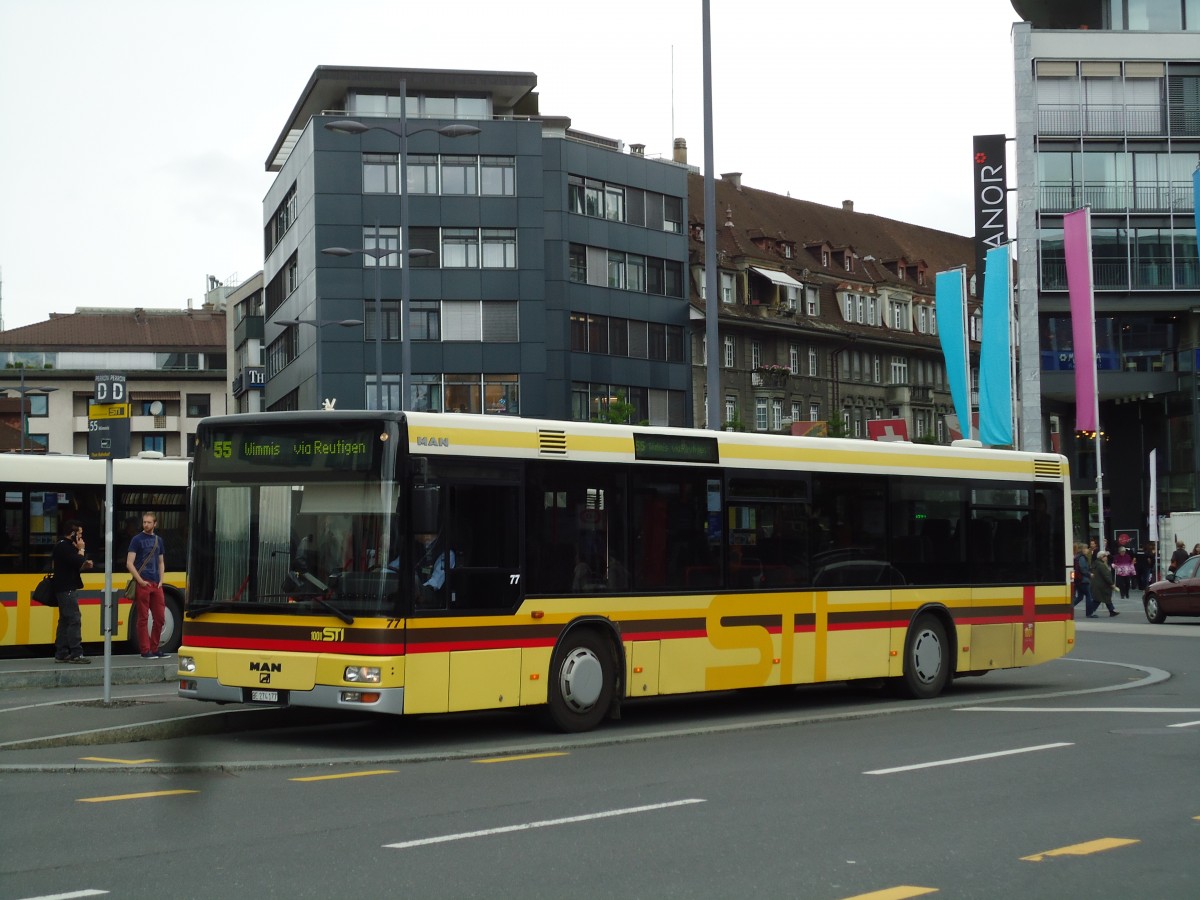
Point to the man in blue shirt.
(145, 563)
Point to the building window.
(198, 405)
(426, 393)
(860, 312)
(810, 302)
(921, 319)
(795, 410)
(877, 369)
(814, 412)
(391, 392)
(776, 414)
(673, 214)
(460, 320)
(388, 241)
(577, 263)
(794, 358)
(899, 370)
(500, 322)
(730, 408)
(390, 310)
(459, 175)
(614, 203)
(755, 354)
(381, 173)
(499, 248)
(155, 443)
(729, 357)
(593, 198)
(497, 176)
(423, 173)
(728, 288)
(616, 269)
(460, 248)
(812, 362)
(899, 317)
(635, 272)
(425, 320)
(848, 314)
(575, 201)
(423, 237)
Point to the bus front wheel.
(581, 681)
(927, 659)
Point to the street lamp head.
(347, 126)
(350, 323)
(339, 251)
(286, 322)
(458, 129)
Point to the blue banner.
(950, 299)
(995, 353)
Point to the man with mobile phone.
(69, 559)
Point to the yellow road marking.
(133, 796)
(345, 775)
(123, 762)
(497, 759)
(1097, 846)
(900, 892)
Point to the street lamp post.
(318, 324)
(353, 126)
(22, 390)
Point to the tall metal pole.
(711, 286)
(378, 325)
(405, 260)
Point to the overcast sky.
(134, 132)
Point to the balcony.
(1115, 196)
(1101, 120)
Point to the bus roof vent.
(554, 442)
(1047, 469)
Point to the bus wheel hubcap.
(927, 657)
(581, 679)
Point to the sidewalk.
(44, 672)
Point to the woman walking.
(1102, 584)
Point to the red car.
(1178, 595)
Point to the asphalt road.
(1074, 779)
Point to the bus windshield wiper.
(194, 611)
(344, 616)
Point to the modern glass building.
(1108, 117)
(546, 265)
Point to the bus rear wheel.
(581, 682)
(172, 630)
(926, 659)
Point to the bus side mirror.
(424, 509)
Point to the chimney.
(637, 149)
(848, 205)
(680, 155)
(734, 178)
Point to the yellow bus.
(42, 491)
(422, 562)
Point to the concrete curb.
(67, 675)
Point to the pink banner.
(1077, 245)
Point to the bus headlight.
(187, 664)
(362, 674)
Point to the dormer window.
(825, 258)
(849, 261)
(786, 250)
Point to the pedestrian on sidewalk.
(1102, 584)
(145, 563)
(1083, 579)
(1125, 572)
(69, 559)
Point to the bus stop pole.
(107, 609)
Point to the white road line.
(963, 759)
(1175, 711)
(465, 835)
(84, 699)
(87, 893)
(1184, 725)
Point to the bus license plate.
(264, 696)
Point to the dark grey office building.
(546, 266)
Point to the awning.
(777, 277)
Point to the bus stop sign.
(108, 419)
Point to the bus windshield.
(303, 523)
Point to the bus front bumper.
(366, 698)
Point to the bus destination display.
(346, 451)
